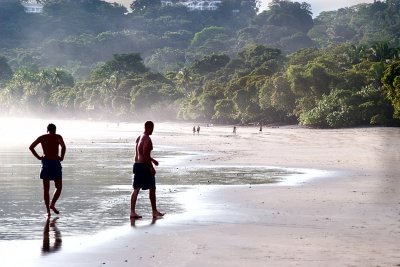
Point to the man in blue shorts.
(144, 172)
(51, 164)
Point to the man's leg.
(134, 196)
(56, 195)
(152, 196)
(46, 195)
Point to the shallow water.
(97, 185)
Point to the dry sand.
(350, 218)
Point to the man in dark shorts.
(51, 164)
(144, 172)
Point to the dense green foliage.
(391, 81)
(232, 65)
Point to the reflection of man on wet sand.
(51, 164)
(153, 222)
(47, 248)
(144, 172)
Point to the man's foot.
(157, 214)
(135, 216)
(54, 210)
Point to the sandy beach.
(350, 217)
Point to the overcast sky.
(316, 5)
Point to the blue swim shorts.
(51, 170)
(142, 177)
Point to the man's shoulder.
(49, 136)
(44, 136)
(60, 139)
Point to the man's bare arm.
(136, 149)
(32, 149)
(155, 162)
(63, 148)
(147, 147)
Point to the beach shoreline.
(350, 219)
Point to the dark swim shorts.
(51, 170)
(142, 177)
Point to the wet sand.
(349, 219)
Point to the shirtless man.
(144, 172)
(51, 164)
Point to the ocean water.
(97, 182)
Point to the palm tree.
(45, 78)
(356, 53)
(381, 51)
(183, 79)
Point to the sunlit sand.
(334, 197)
(97, 177)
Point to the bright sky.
(316, 5)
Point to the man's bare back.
(50, 145)
(144, 146)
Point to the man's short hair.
(148, 124)
(51, 128)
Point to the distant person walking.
(194, 129)
(260, 128)
(198, 129)
(144, 172)
(51, 165)
(234, 129)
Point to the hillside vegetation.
(90, 58)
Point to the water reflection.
(135, 221)
(51, 229)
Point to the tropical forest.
(230, 65)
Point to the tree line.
(229, 66)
